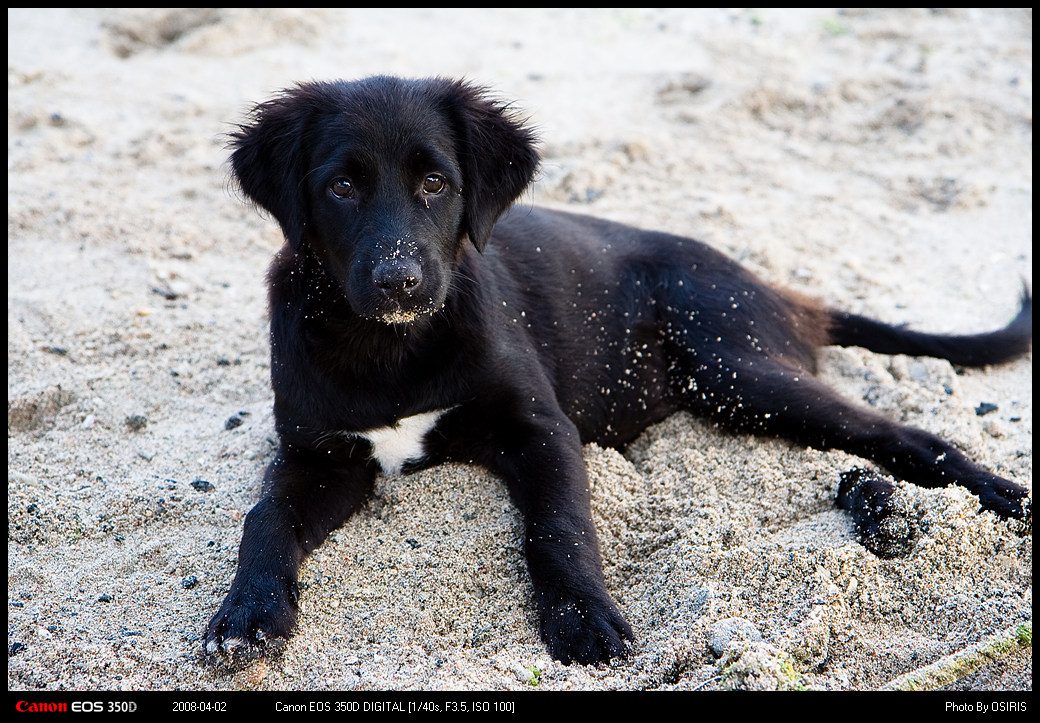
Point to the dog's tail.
(973, 350)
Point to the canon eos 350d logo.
(75, 706)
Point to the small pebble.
(137, 422)
(985, 408)
(730, 634)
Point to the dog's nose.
(397, 278)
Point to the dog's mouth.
(397, 314)
(404, 316)
(395, 310)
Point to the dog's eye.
(433, 184)
(342, 188)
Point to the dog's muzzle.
(403, 298)
(397, 278)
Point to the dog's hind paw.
(585, 632)
(1003, 497)
(886, 523)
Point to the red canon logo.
(76, 706)
(25, 706)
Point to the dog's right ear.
(267, 159)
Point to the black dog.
(398, 341)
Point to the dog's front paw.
(253, 622)
(585, 632)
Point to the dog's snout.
(397, 277)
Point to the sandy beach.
(880, 160)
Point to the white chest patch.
(402, 442)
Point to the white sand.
(881, 160)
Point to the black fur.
(406, 286)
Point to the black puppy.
(398, 341)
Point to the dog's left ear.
(497, 153)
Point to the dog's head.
(384, 180)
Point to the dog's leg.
(545, 473)
(304, 499)
(765, 397)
